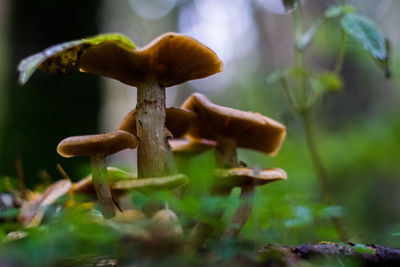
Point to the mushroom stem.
(150, 121)
(225, 152)
(198, 235)
(99, 180)
(242, 212)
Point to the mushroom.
(168, 60)
(98, 146)
(247, 179)
(232, 128)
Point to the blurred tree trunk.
(49, 107)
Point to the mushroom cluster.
(160, 133)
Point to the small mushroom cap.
(159, 183)
(177, 121)
(191, 145)
(170, 59)
(85, 145)
(165, 215)
(168, 221)
(129, 216)
(250, 130)
(248, 176)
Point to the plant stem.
(150, 121)
(100, 183)
(242, 213)
(340, 58)
(303, 112)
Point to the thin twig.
(62, 172)
(20, 177)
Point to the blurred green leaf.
(384, 63)
(7, 184)
(336, 11)
(365, 32)
(331, 211)
(330, 81)
(95, 40)
(274, 77)
(333, 12)
(360, 248)
(139, 200)
(297, 72)
(308, 35)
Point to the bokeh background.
(357, 129)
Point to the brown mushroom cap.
(250, 130)
(248, 176)
(191, 145)
(129, 216)
(169, 60)
(85, 145)
(177, 121)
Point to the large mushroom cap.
(250, 130)
(85, 145)
(177, 121)
(170, 59)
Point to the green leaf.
(274, 77)
(308, 35)
(63, 58)
(384, 63)
(321, 84)
(330, 81)
(333, 12)
(363, 249)
(365, 32)
(95, 40)
(337, 11)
